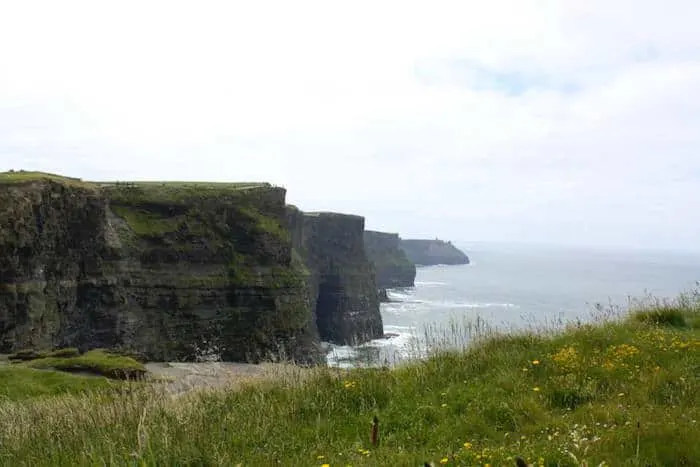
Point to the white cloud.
(372, 107)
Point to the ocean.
(515, 287)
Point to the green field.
(622, 392)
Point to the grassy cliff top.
(179, 192)
(146, 192)
(181, 184)
(27, 176)
(621, 392)
(331, 214)
(23, 176)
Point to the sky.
(563, 122)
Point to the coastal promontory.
(433, 252)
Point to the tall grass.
(624, 391)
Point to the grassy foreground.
(20, 383)
(622, 392)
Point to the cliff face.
(167, 270)
(342, 279)
(432, 252)
(391, 263)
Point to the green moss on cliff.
(147, 223)
(299, 265)
(266, 224)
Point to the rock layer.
(167, 270)
(393, 267)
(433, 252)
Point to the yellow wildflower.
(608, 365)
(535, 362)
(536, 389)
(444, 460)
(567, 358)
(467, 445)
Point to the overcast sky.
(574, 122)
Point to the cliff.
(169, 270)
(342, 280)
(392, 266)
(432, 252)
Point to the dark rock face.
(393, 267)
(166, 270)
(341, 277)
(432, 252)
(383, 296)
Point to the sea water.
(515, 287)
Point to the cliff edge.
(393, 268)
(433, 252)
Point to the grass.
(145, 223)
(180, 193)
(18, 383)
(26, 355)
(96, 362)
(24, 176)
(621, 392)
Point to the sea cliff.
(433, 252)
(392, 266)
(177, 270)
(342, 279)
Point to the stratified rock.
(433, 252)
(342, 278)
(169, 270)
(393, 267)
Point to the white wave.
(469, 305)
(402, 297)
(396, 336)
(341, 356)
(489, 305)
(430, 283)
